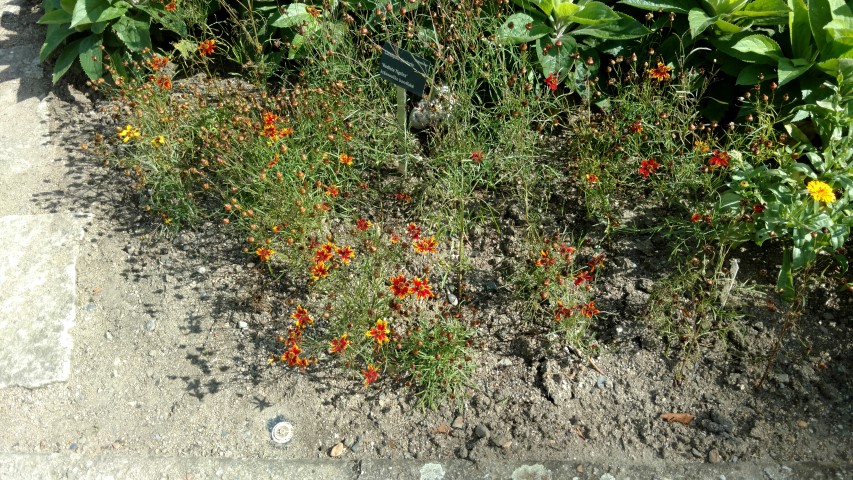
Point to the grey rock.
(480, 431)
(554, 382)
(150, 325)
(602, 382)
(356, 445)
(348, 441)
(458, 422)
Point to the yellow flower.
(158, 141)
(821, 191)
(128, 133)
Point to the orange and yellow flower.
(400, 286)
(264, 254)
(421, 288)
(370, 375)
(589, 309)
(379, 332)
(338, 345)
(346, 254)
(301, 317)
(426, 245)
(660, 73)
(319, 270)
(346, 159)
(207, 47)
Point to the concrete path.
(38, 290)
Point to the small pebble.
(579, 468)
(602, 382)
(150, 325)
(108, 335)
(337, 450)
(480, 431)
(458, 422)
(202, 270)
(152, 353)
(714, 456)
(802, 423)
(243, 325)
(461, 452)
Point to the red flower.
(660, 73)
(589, 309)
(421, 288)
(370, 375)
(551, 82)
(394, 238)
(264, 253)
(338, 345)
(319, 270)
(379, 332)
(332, 191)
(206, 47)
(346, 254)
(758, 208)
(403, 197)
(637, 126)
(413, 231)
(582, 276)
(566, 251)
(648, 167)
(400, 286)
(563, 311)
(426, 245)
(164, 82)
(592, 178)
(346, 159)
(270, 118)
(171, 6)
(477, 156)
(156, 62)
(696, 217)
(324, 253)
(362, 224)
(544, 259)
(301, 317)
(291, 356)
(719, 159)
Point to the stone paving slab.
(38, 295)
(115, 467)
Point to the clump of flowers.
(207, 47)
(561, 285)
(719, 159)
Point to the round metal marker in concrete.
(282, 432)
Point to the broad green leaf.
(68, 5)
(295, 46)
(785, 281)
(838, 235)
(544, 5)
(677, 6)
(558, 60)
(755, 48)
(91, 57)
(624, 28)
(66, 59)
(49, 5)
(730, 201)
(595, 13)
(764, 12)
(92, 11)
(820, 13)
(514, 31)
(56, 34)
(295, 15)
(565, 10)
(753, 73)
(55, 17)
(133, 32)
(699, 21)
(789, 69)
(797, 134)
(802, 45)
(726, 27)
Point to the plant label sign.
(404, 69)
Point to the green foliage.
(565, 31)
(82, 30)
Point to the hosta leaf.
(56, 34)
(66, 59)
(133, 32)
(677, 6)
(92, 11)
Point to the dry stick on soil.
(595, 366)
